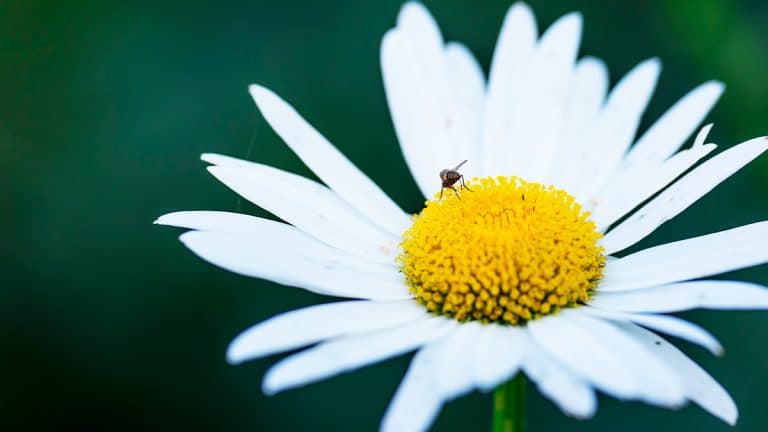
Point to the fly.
(449, 178)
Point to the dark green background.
(108, 323)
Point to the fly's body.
(450, 177)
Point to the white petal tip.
(729, 416)
(585, 411)
(593, 61)
(412, 6)
(581, 415)
(242, 349)
(651, 65)
(388, 45)
(188, 239)
(234, 357)
(714, 347)
(273, 383)
(261, 94)
(717, 87)
(702, 135)
(573, 18)
(208, 157)
(520, 8)
(167, 219)
(387, 40)
(267, 388)
(567, 27)
(256, 88)
(415, 14)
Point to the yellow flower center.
(506, 251)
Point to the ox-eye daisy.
(514, 274)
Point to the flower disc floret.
(506, 251)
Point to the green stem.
(509, 405)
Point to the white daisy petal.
(682, 296)
(633, 186)
(497, 356)
(656, 383)
(431, 119)
(645, 377)
(218, 221)
(328, 163)
(415, 19)
(670, 325)
(613, 131)
(312, 324)
(587, 94)
(692, 258)
(533, 126)
(229, 161)
(702, 135)
(467, 80)
(305, 264)
(569, 392)
(682, 194)
(415, 405)
(260, 232)
(402, 82)
(452, 376)
(309, 206)
(700, 387)
(669, 132)
(506, 83)
(352, 352)
(437, 374)
(586, 353)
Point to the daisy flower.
(520, 271)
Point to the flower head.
(508, 252)
(516, 272)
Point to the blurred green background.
(108, 323)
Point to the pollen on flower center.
(507, 251)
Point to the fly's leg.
(464, 185)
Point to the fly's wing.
(459, 166)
